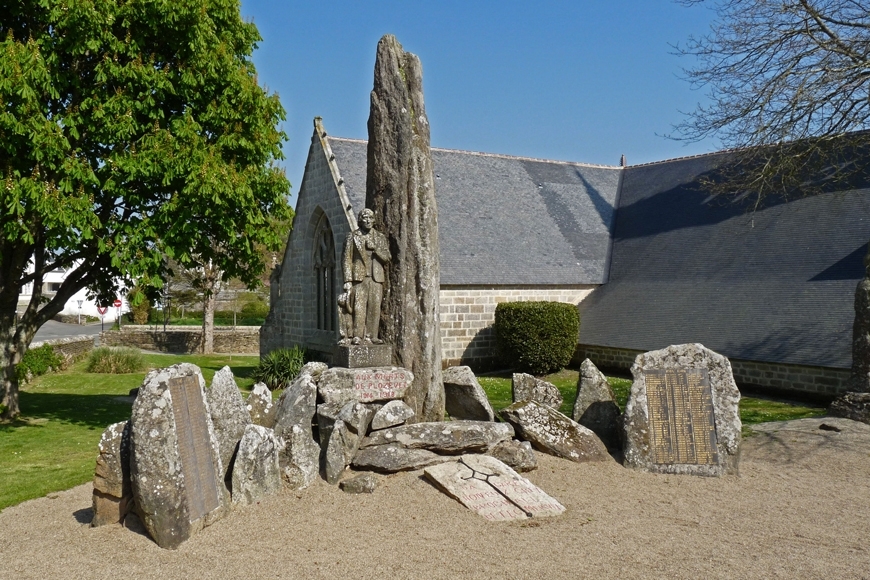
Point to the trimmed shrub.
(38, 361)
(116, 361)
(537, 337)
(278, 368)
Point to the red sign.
(102, 309)
(116, 303)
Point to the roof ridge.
(500, 155)
(683, 158)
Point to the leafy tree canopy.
(131, 131)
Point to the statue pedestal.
(363, 355)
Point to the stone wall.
(184, 339)
(74, 347)
(819, 383)
(292, 319)
(468, 315)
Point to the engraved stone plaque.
(379, 384)
(681, 420)
(194, 446)
(341, 385)
(496, 492)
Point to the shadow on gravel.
(84, 515)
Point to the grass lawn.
(53, 446)
(752, 409)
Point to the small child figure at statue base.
(345, 317)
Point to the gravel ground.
(800, 508)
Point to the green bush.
(279, 367)
(115, 361)
(255, 309)
(537, 337)
(38, 361)
(139, 313)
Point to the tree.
(131, 131)
(788, 84)
(789, 89)
(209, 279)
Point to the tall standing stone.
(860, 379)
(400, 189)
(229, 415)
(113, 495)
(594, 407)
(175, 464)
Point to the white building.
(78, 304)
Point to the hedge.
(536, 337)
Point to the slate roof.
(508, 220)
(774, 285)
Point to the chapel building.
(646, 253)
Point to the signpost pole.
(117, 305)
(102, 310)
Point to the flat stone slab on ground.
(363, 483)
(451, 437)
(392, 458)
(342, 385)
(487, 486)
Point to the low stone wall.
(185, 339)
(74, 347)
(819, 383)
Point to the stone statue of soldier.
(366, 251)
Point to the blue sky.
(576, 81)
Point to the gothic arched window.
(324, 273)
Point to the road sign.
(116, 303)
(102, 309)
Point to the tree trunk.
(208, 306)
(16, 339)
(9, 361)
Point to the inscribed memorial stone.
(682, 415)
(175, 466)
(340, 385)
(490, 488)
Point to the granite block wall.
(819, 383)
(184, 340)
(468, 315)
(292, 319)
